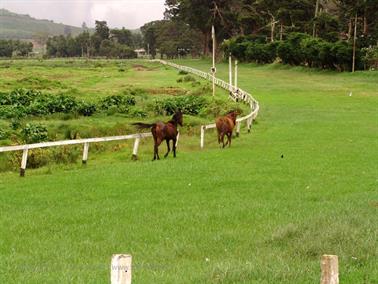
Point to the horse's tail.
(141, 125)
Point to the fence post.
(120, 269)
(230, 71)
(249, 124)
(203, 127)
(177, 137)
(135, 149)
(85, 152)
(23, 162)
(236, 75)
(330, 269)
(238, 128)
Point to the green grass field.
(303, 183)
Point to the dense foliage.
(111, 43)
(9, 48)
(299, 49)
(253, 27)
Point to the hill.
(17, 26)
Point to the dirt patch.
(172, 91)
(139, 67)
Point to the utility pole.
(354, 43)
(316, 15)
(213, 70)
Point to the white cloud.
(118, 13)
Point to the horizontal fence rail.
(236, 94)
(86, 142)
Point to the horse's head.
(233, 114)
(178, 117)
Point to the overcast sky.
(130, 14)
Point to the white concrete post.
(85, 152)
(238, 128)
(202, 136)
(23, 162)
(230, 71)
(330, 269)
(177, 137)
(213, 68)
(120, 269)
(249, 124)
(236, 74)
(135, 149)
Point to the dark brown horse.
(163, 131)
(225, 125)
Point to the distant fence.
(236, 94)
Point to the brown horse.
(163, 131)
(225, 125)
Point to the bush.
(188, 105)
(10, 111)
(182, 72)
(117, 103)
(49, 104)
(34, 133)
(187, 78)
(3, 134)
(290, 51)
(370, 57)
(18, 97)
(85, 108)
(261, 53)
(342, 53)
(136, 112)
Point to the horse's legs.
(156, 146)
(174, 147)
(168, 148)
(222, 137)
(229, 136)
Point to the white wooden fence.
(85, 142)
(236, 94)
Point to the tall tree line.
(104, 41)
(275, 19)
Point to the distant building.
(140, 52)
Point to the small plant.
(117, 103)
(85, 108)
(3, 134)
(34, 133)
(182, 72)
(138, 113)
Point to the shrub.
(188, 78)
(182, 72)
(86, 108)
(117, 101)
(261, 53)
(342, 52)
(49, 104)
(34, 133)
(370, 57)
(18, 97)
(290, 51)
(136, 112)
(188, 105)
(3, 134)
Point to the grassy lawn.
(303, 183)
